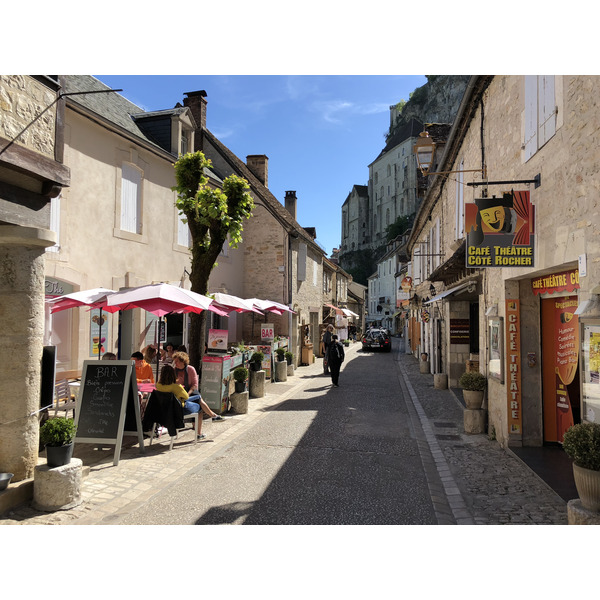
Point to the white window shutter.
(460, 202)
(546, 109)
(55, 222)
(131, 206)
(531, 116)
(183, 231)
(301, 262)
(437, 249)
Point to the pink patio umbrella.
(94, 298)
(161, 299)
(270, 306)
(234, 304)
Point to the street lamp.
(424, 150)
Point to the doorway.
(560, 366)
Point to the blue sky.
(320, 132)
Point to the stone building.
(32, 172)
(517, 285)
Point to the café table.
(145, 389)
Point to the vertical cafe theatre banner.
(513, 365)
(560, 343)
(501, 231)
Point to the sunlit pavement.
(383, 448)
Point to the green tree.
(398, 227)
(212, 215)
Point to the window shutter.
(460, 202)
(437, 249)
(301, 262)
(55, 222)
(131, 180)
(547, 109)
(183, 232)
(531, 116)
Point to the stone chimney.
(196, 101)
(290, 203)
(259, 165)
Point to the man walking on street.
(335, 358)
(326, 343)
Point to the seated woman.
(167, 353)
(188, 378)
(167, 382)
(143, 371)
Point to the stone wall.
(22, 99)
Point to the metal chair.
(165, 409)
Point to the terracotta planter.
(587, 483)
(473, 399)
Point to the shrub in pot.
(280, 354)
(582, 443)
(256, 361)
(473, 385)
(240, 374)
(289, 357)
(57, 435)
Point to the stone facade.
(566, 224)
(22, 99)
(29, 177)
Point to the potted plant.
(57, 435)
(582, 443)
(289, 357)
(280, 354)
(256, 360)
(240, 374)
(473, 385)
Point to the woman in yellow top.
(167, 382)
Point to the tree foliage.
(398, 227)
(213, 215)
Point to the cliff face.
(435, 102)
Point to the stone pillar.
(281, 370)
(58, 488)
(440, 381)
(578, 515)
(21, 345)
(290, 370)
(424, 366)
(239, 402)
(474, 420)
(257, 384)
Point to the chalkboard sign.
(108, 399)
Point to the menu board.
(108, 398)
(215, 381)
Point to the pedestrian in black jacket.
(335, 358)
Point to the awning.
(448, 292)
(338, 311)
(397, 313)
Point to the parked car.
(377, 339)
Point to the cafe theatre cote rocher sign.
(501, 231)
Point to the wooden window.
(55, 222)
(460, 202)
(131, 199)
(540, 112)
(301, 275)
